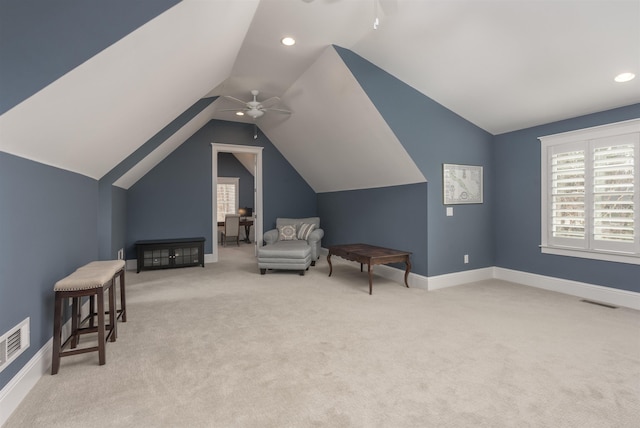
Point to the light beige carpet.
(226, 347)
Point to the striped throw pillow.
(305, 230)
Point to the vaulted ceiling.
(502, 65)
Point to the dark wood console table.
(170, 253)
(370, 255)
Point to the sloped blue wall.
(40, 41)
(433, 135)
(48, 228)
(173, 200)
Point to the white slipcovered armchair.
(306, 229)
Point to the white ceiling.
(503, 65)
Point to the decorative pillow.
(287, 233)
(305, 230)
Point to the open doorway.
(257, 174)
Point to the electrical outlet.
(466, 258)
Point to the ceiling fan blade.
(233, 109)
(270, 101)
(229, 97)
(279, 110)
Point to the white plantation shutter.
(228, 196)
(568, 195)
(590, 193)
(614, 187)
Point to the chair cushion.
(287, 232)
(113, 266)
(285, 250)
(84, 279)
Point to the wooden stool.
(88, 282)
(117, 268)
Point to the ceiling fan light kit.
(255, 113)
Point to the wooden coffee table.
(370, 255)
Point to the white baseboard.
(612, 296)
(597, 293)
(14, 392)
(415, 280)
(458, 278)
(40, 364)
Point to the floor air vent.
(606, 305)
(13, 343)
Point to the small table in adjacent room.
(370, 255)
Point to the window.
(228, 195)
(591, 193)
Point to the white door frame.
(257, 174)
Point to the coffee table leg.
(370, 280)
(330, 266)
(406, 271)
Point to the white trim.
(459, 278)
(257, 212)
(19, 386)
(40, 364)
(591, 254)
(598, 293)
(613, 296)
(587, 140)
(394, 274)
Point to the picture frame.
(462, 184)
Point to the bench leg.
(113, 314)
(101, 345)
(75, 320)
(57, 334)
(123, 300)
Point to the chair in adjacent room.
(231, 229)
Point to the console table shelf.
(170, 253)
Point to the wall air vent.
(13, 343)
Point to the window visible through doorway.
(228, 196)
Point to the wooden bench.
(91, 280)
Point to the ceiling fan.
(255, 108)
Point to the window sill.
(594, 255)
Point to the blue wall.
(48, 228)
(174, 199)
(41, 41)
(517, 218)
(433, 135)
(394, 217)
(112, 213)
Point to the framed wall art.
(462, 184)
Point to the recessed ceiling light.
(239, 113)
(624, 77)
(288, 41)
